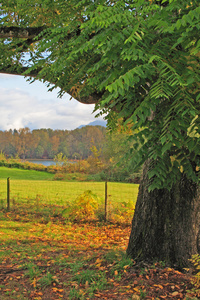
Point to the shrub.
(123, 213)
(83, 208)
(196, 278)
(59, 176)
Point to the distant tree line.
(100, 153)
(46, 143)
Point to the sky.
(31, 105)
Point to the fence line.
(61, 193)
(8, 193)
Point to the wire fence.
(59, 193)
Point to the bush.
(59, 176)
(123, 213)
(196, 278)
(83, 208)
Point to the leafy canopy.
(139, 58)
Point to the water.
(44, 162)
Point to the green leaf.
(166, 147)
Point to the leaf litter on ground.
(60, 260)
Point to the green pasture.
(32, 188)
(14, 173)
(60, 193)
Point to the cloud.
(6, 76)
(26, 106)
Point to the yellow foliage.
(123, 213)
(196, 279)
(83, 208)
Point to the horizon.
(81, 126)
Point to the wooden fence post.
(8, 193)
(106, 200)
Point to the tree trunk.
(165, 225)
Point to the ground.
(51, 259)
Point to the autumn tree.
(137, 60)
(23, 141)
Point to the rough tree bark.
(165, 225)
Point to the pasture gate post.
(8, 193)
(106, 201)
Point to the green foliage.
(138, 60)
(60, 159)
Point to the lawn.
(46, 256)
(20, 174)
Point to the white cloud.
(25, 105)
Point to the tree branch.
(29, 34)
(91, 99)
(22, 33)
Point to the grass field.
(24, 174)
(43, 256)
(33, 186)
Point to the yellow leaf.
(125, 267)
(98, 261)
(159, 286)
(116, 272)
(169, 269)
(174, 294)
(34, 282)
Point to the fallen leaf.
(159, 286)
(98, 261)
(127, 266)
(135, 297)
(34, 282)
(174, 294)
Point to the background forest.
(46, 143)
(94, 149)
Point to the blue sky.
(31, 105)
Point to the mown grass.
(19, 174)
